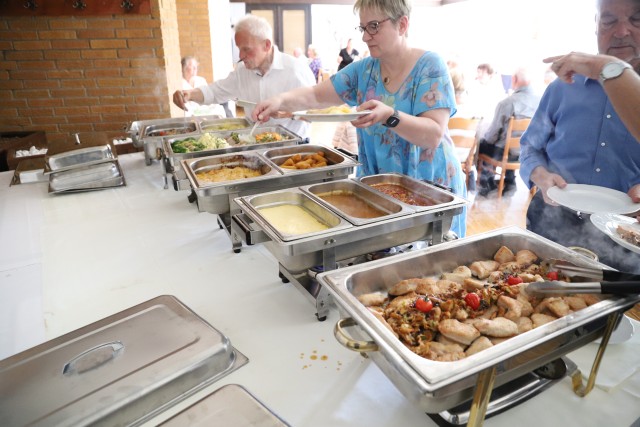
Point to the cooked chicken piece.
(511, 306)
(524, 324)
(529, 277)
(381, 318)
(481, 343)
(458, 275)
(457, 331)
(540, 319)
(461, 315)
(444, 286)
(404, 287)
(490, 312)
(471, 284)
(440, 352)
(498, 327)
(575, 303)
(527, 308)
(426, 285)
(590, 299)
(534, 269)
(496, 341)
(402, 301)
(482, 269)
(558, 307)
(555, 305)
(444, 340)
(374, 298)
(503, 255)
(495, 276)
(510, 267)
(525, 258)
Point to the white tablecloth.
(68, 260)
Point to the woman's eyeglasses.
(372, 27)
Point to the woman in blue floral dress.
(410, 97)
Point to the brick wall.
(69, 74)
(195, 34)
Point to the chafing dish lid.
(123, 369)
(79, 157)
(231, 405)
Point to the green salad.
(204, 142)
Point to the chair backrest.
(463, 131)
(515, 129)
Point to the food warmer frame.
(171, 161)
(425, 382)
(218, 198)
(141, 131)
(300, 259)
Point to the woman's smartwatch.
(393, 120)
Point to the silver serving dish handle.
(350, 343)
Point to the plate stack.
(84, 169)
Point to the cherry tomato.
(552, 275)
(514, 280)
(472, 300)
(423, 305)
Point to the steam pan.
(335, 159)
(296, 198)
(430, 193)
(91, 177)
(80, 157)
(231, 405)
(122, 370)
(218, 125)
(438, 386)
(390, 207)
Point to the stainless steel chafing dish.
(171, 159)
(400, 225)
(218, 198)
(147, 134)
(439, 386)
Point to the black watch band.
(393, 120)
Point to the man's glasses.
(371, 27)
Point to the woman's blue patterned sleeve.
(435, 89)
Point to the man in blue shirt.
(578, 136)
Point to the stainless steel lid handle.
(348, 342)
(93, 358)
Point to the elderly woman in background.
(314, 62)
(410, 97)
(191, 80)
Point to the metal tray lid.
(121, 370)
(231, 405)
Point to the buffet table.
(68, 260)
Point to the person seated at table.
(584, 132)
(409, 97)
(263, 72)
(521, 104)
(191, 80)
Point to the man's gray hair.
(257, 26)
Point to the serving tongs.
(583, 273)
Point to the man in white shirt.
(262, 73)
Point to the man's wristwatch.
(612, 70)
(393, 120)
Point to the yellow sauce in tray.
(352, 205)
(292, 219)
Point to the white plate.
(623, 332)
(592, 199)
(343, 117)
(608, 223)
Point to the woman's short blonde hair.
(394, 9)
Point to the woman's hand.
(379, 113)
(544, 180)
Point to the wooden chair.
(515, 129)
(463, 134)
